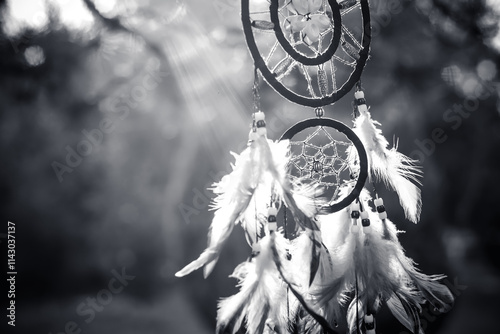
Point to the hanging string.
(358, 85)
(255, 91)
(293, 287)
(256, 108)
(356, 294)
(287, 287)
(256, 220)
(374, 189)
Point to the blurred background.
(115, 116)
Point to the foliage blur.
(170, 81)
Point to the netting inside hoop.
(326, 153)
(323, 164)
(323, 160)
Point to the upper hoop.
(272, 78)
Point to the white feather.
(396, 170)
(428, 286)
(373, 263)
(271, 184)
(262, 296)
(309, 198)
(355, 315)
(232, 310)
(259, 168)
(398, 311)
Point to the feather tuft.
(396, 170)
(257, 171)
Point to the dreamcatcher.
(324, 253)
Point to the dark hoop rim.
(285, 92)
(363, 159)
(289, 49)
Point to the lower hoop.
(363, 160)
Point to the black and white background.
(115, 116)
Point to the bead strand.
(359, 100)
(258, 126)
(354, 209)
(369, 324)
(272, 212)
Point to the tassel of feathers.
(354, 261)
(259, 166)
(263, 299)
(261, 295)
(371, 268)
(258, 173)
(274, 284)
(396, 170)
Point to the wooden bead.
(370, 326)
(360, 101)
(253, 135)
(271, 218)
(359, 94)
(259, 116)
(379, 204)
(369, 320)
(354, 206)
(317, 166)
(319, 112)
(260, 124)
(365, 221)
(354, 228)
(272, 211)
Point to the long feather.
(340, 244)
(255, 216)
(355, 315)
(231, 310)
(296, 290)
(385, 272)
(412, 311)
(256, 168)
(396, 170)
(208, 256)
(430, 289)
(304, 203)
(436, 293)
(261, 297)
(400, 312)
(371, 263)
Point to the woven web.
(320, 159)
(319, 80)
